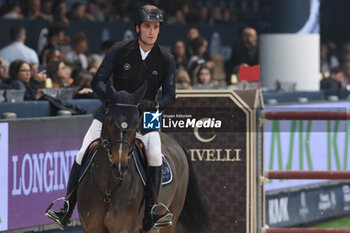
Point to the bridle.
(107, 144)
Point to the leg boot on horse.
(151, 218)
(62, 216)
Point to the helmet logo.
(152, 8)
(150, 13)
(127, 66)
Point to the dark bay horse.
(111, 194)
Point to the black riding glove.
(147, 105)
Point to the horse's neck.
(105, 179)
(102, 172)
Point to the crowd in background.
(22, 68)
(335, 66)
(66, 62)
(177, 11)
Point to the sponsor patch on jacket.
(127, 66)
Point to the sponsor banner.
(306, 145)
(3, 176)
(217, 140)
(40, 156)
(292, 208)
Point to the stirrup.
(49, 215)
(165, 219)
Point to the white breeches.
(153, 147)
(151, 141)
(94, 132)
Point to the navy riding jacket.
(124, 63)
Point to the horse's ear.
(140, 93)
(111, 92)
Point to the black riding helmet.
(148, 13)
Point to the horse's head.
(120, 126)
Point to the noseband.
(107, 145)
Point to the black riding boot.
(62, 216)
(155, 174)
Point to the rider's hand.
(147, 105)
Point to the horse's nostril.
(124, 168)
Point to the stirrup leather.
(51, 213)
(165, 219)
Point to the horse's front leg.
(126, 220)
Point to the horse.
(111, 193)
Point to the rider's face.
(149, 31)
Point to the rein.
(107, 144)
(109, 192)
(107, 195)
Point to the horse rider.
(131, 63)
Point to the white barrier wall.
(290, 58)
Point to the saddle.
(140, 160)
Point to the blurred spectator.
(179, 53)
(76, 56)
(218, 68)
(33, 10)
(20, 74)
(59, 11)
(188, 10)
(38, 73)
(3, 69)
(203, 16)
(244, 52)
(124, 10)
(93, 9)
(204, 77)
(78, 12)
(328, 59)
(216, 15)
(95, 61)
(183, 80)
(192, 34)
(107, 9)
(46, 7)
(178, 18)
(336, 81)
(13, 11)
(4, 77)
(228, 17)
(17, 49)
(345, 55)
(82, 85)
(346, 69)
(105, 46)
(51, 51)
(59, 74)
(199, 46)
